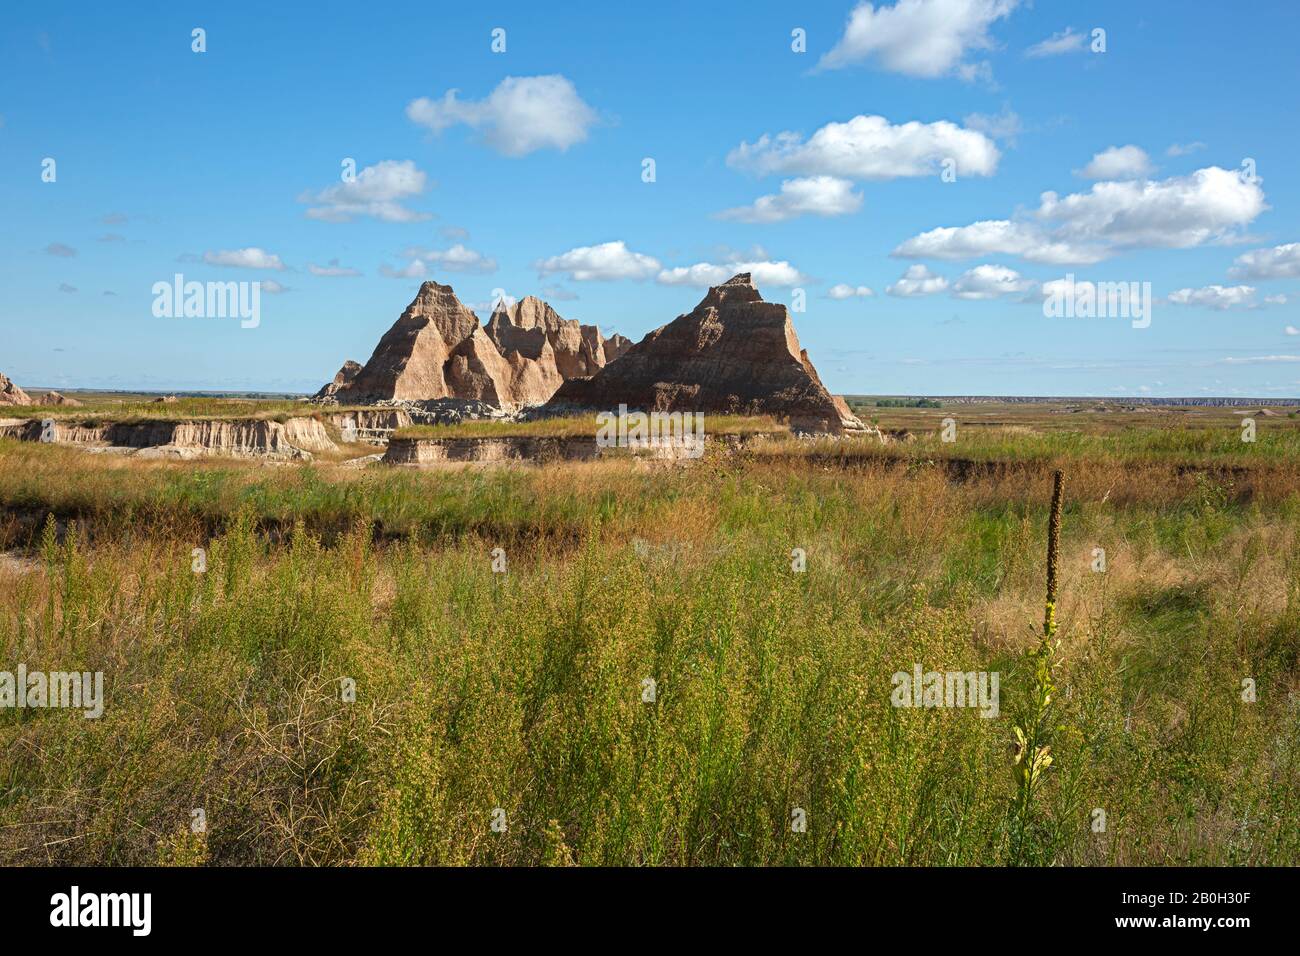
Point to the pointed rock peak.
(432, 295)
(739, 288)
(531, 312)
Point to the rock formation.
(11, 394)
(615, 346)
(578, 349)
(342, 377)
(438, 350)
(292, 439)
(732, 354)
(58, 398)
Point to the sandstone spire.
(408, 361)
(733, 353)
(438, 350)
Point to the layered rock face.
(295, 438)
(408, 361)
(732, 354)
(437, 349)
(11, 394)
(530, 326)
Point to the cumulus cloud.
(817, 196)
(273, 287)
(704, 274)
(1067, 41)
(60, 250)
(991, 282)
(1180, 212)
(917, 281)
(1291, 330)
(925, 38)
(522, 115)
(842, 290)
(1220, 298)
(1117, 162)
(1183, 149)
(378, 192)
(250, 258)
(607, 261)
(333, 270)
(870, 147)
(1209, 205)
(1279, 262)
(996, 237)
(456, 259)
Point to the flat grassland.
(508, 718)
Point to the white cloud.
(607, 261)
(818, 196)
(61, 250)
(1292, 330)
(250, 258)
(377, 192)
(333, 270)
(1067, 41)
(869, 147)
(926, 38)
(1117, 162)
(415, 269)
(1179, 212)
(272, 287)
(1260, 359)
(704, 274)
(1183, 149)
(456, 259)
(1209, 205)
(1217, 297)
(995, 237)
(991, 282)
(842, 290)
(522, 115)
(917, 281)
(1279, 262)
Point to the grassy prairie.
(519, 697)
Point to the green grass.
(477, 691)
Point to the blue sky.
(227, 165)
